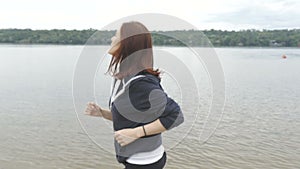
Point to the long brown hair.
(136, 42)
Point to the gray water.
(39, 127)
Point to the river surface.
(40, 127)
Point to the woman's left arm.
(129, 135)
(171, 117)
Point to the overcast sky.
(204, 14)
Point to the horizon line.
(252, 29)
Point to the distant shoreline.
(193, 38)
(79, 45)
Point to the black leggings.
(157, 165)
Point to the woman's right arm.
(93, 109)
(106, 114)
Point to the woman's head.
(131, 49)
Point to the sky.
(204, 14)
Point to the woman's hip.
(157, 165)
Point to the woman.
(139, 108)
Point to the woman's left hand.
(127, 136)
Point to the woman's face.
(115, 43)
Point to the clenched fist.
(93, 109)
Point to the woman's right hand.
(93, 109)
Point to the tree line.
(249, 38)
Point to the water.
(39, 127)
